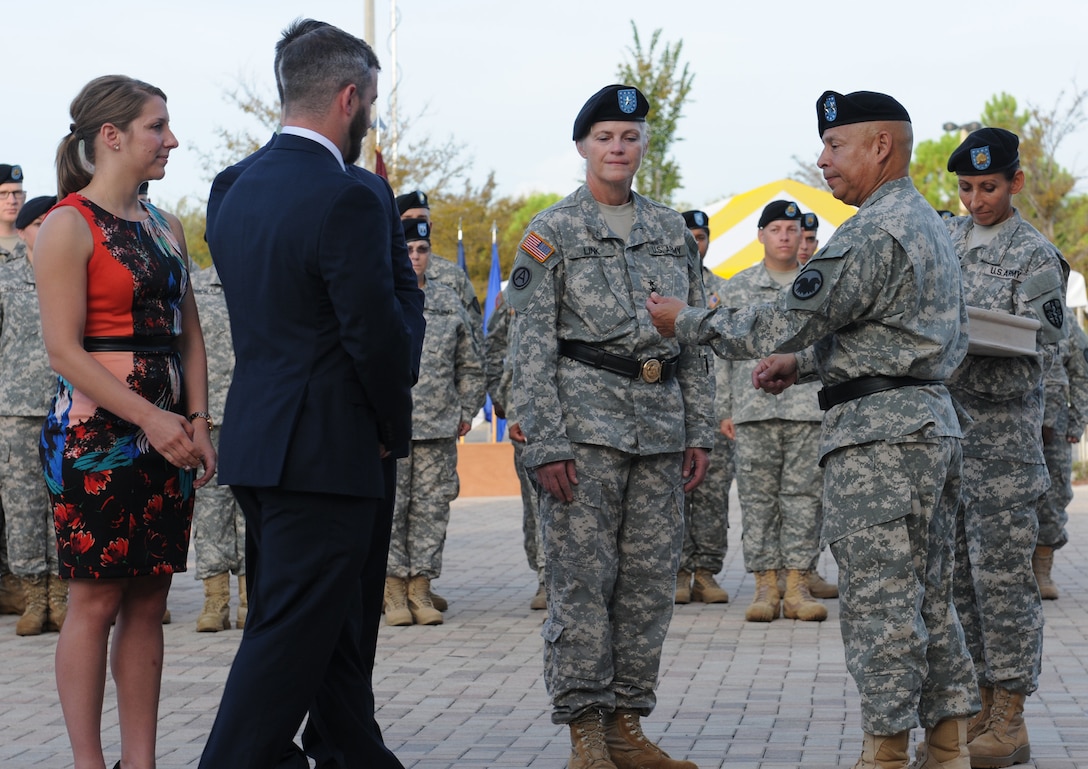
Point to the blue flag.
(494, 288)
(461, 251)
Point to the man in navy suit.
(321, 394)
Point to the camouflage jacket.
(573, 279)
(19, 252)
(737, 399)
(451, 275)
(496, 352)
(27, 383)
(1019, 273)
(1077, 366)
(450, 389)
(215, 325)
(883, 297)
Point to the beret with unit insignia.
(779, 209)
(613, 102)
(835, 109)
(985, 151)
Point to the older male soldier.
(617, 423)
(706, 509)
(882, 306)
(321, 394)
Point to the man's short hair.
(320, 63)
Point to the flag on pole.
(461, 249)
(494, 288)
(379, 165)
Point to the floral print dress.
(120, 509)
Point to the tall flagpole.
(394, 124)
(372, 140)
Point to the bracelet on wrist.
(202, 415)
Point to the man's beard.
(356, 132)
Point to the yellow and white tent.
(734, 222)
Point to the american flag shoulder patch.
(536, 247)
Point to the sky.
(505, 78)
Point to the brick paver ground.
(469, 694)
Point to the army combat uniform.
(880, 306)
(1004, 472)
(779, 478)
(450, 391)
(611, 555)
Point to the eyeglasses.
(6, 195)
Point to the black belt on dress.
(162, 345)
(649, 370)
(833, 395)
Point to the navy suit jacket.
(323, 355)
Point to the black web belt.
(162, 345)
(853, 389)
(649, 370)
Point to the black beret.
(810, 222)
(10, 173)
(696, 220)
(835, 109)
(410, 200)
(416, 229)
(985, 151)
(613, 102)
(32, 209)
(779, 209)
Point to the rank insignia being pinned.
(536, 247)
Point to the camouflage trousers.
(426, 484)
(219, 530)
(530, 519)
(996, 594)
(889, 513)
(706, 513)
(611, 557)
(31, 548)
(1052, 510)
(779, 483)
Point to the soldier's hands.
(516, 433)
(728, 429)
(663, 311)
(775, 373)
(696, 462)
(463, 428)
(557, 478)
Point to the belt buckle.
(650, 371)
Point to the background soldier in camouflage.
(26, 381)
(881, 307)
(448, 394)
(1009, 267)
(1064, 419)
(810, 241)
(219, 526)
(499, 357)
(12, 247)
(617, 423)
(779, 478)
(706, 509)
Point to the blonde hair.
(114, 99)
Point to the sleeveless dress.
(120, 509)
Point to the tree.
(666, 85)
(192, 216)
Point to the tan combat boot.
(587, 743)
(764, 606)
(419, 601)
(820, 587)
(439, 602)
(396, 602)
(243, 602)
(539, 600)
(885, 751)
(1005, 740)
(56, 590)
(799, 603)
(683, 587)
(707, 589)
(1042, 560)
(976, 725)
(945, 747)
(215, 615)
(37, 606)
(12, 600)
(629, 748)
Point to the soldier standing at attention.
(706, 509)
(618, 423)
(881, 307)
(448, 394)
(810, 241)
(1007, 266)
